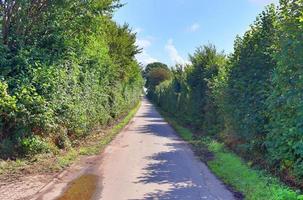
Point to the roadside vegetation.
(251, 100)
(67, 69)
(254, 184)
(58, 160)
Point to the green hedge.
(251, 99)
(66, 68)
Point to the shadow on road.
(172, 167)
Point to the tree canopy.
(154, 74)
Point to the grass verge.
(49, 163)
(232, 170)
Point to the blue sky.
(169, 30)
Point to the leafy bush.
(61, 78)
(191, 87)
(285, 140)
(34, 145)
(6, 147)
(253, 99)
(248, 85)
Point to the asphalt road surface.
(149, 161)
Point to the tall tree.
(154, 74)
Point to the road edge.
(113, 132)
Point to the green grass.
(184, 133)
(232, 170)
(254, 184)
(57, 162)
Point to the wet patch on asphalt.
(83, 187)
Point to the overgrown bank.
(59, 160)
(66, 69)
(251, 99)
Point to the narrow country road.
(148, 161)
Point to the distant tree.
(155, 73)
(158, 75)
(153, 65)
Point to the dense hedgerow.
(249, 84)
(65, 68)
(285, 108)
(189, 92)
(252, 100)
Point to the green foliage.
(154, 74)
(153, 65)
(191, 87)
(34, 145)
(252, 101)
(252, 183)
(285, 139)
(157, 76)
(66, 68)
(58, 160)
(8, 106)
(248, 85)
(6, 146)
(7, 102)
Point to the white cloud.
(263, 2)
(138, 30)
(194, 27)
(143, 43)
(174, 55)
(144, 57)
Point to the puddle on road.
(82, 188)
